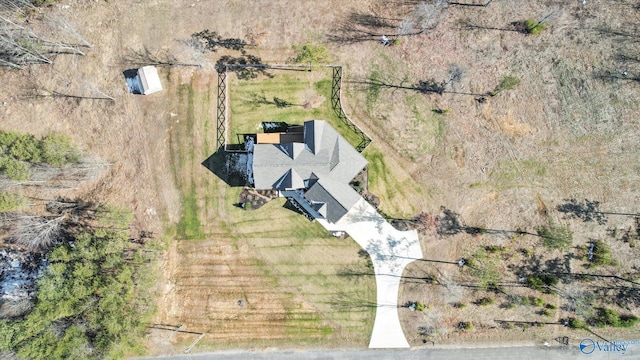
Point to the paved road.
(500, 353)
(390, 251)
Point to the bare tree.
(37, 232)
(19, 7)
(143, 57)
(484, 4)
(20, 45)
(15, 308)
(66, 29)
(427, 15)
(395, 23)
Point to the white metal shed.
(149, 80)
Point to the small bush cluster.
(609, 317)
(533, 27)
(526, 252)
(546, 312)
(459, 305)
(416, 306)
(537, 301)
(310, 54)
(506, 83)
(486, 301)
(491, 249)
(465, 325)
(555, 236)
(540, 282)
(508, 305)
(600, 255)
(18, 150)
(9, 202)
(576, 323)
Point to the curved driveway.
(390, 251)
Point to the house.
(311, 165)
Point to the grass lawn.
(251, 102)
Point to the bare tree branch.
(37, 232)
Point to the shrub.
(465, 325)
(538, 302)
(526, 252)
(26, 148)
(14, 169)
(470, 263)
(628, 320)
(485, 270)
(459, 305)
(486, 301)
(609, 317)
(507, 82)
(427, 330)
(9, 202)
(524, 300)
(18, 150)
(601, 254)
(420, 306)
(576, 323)
(606, 317)
(551, 306)
(541, 281)
(533, 27)
(7, 138)
(494, 249)
(58, 150)
(549, 280)
(509, 305)
(546, 312)
(555, 236)
(310, 54)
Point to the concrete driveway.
(390, 251)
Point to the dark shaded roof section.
(336, 198)
(324, 153)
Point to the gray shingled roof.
(336, 197)
(324, 155)
(327, 154)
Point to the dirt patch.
(252, 199)
(311, 99)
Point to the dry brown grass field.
(269, 277)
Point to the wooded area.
(81, 286)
